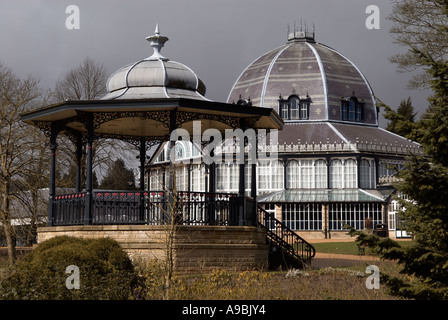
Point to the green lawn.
(345, 247)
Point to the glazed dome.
(305, 68)
(155, 77)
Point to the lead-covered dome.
(155, 77)
(308, 70)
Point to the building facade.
(334, 164)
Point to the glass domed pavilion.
(334, 164)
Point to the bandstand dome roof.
(155, 77)
(304, 67)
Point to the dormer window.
(295, 108)
(352, 109)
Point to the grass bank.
(349, 247)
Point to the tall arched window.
(364, 179)
(292, 173)
(350, 174)
(234, 176)
(336, 174)
(367, 174)
(277, 175)
(306, 174)
(264, 175)
(320, 174)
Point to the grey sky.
(218, 39)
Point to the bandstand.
(146, 102)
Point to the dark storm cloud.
(216, 38)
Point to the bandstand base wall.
(196, 248)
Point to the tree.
(420, 26)
(402, 121)
(85, 82)
(425, 178)
(19, 143)
(118, 177)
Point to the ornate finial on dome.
(157, 42)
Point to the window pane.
(292, 171)
(350, 174)
(351, 110)
(277, 175)
(222, 183)
(364, 179)
(284, 111)
(336, 174)
(304, 111)
(306, 176)
(294, 109)
(344, 110)
(320, 169)
(264, 175)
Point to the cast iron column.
(142, 177)
(89, 183)
(78, 162)
(253, 185)
(52, 190)
(242, 181)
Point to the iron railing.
(70, 209)
(284, 238)
(141, 207)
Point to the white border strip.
(268, 73)
(342, 137)
(250, 65)
(324, 78)
(362, 76)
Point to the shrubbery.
(105, 271)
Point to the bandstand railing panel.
(147, 207)
(69, 209)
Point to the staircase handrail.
(283, 236)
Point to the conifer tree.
(402, 121)
(425, 177)
(118, 177)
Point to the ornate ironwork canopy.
(148, 118)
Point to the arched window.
(264, 175)
(179, 150)
(292, 175)
(336, 174)
(277, 175)
(367, 174)
(306, 174)
(320, 174)
(234, 177)
(295, 108)
(350, 174)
